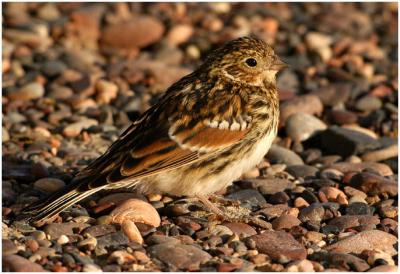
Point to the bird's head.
(247, 60)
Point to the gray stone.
(301, 126)
(281, 155)
(183, 257)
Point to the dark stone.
(342, 261)
(348, 221)
(271, 185)
(249, 198)
(351, 142)
(315, 212)
(358, 208)
(115, 239)
(279, 198)
(373, 184)
(302, 171)
(309, 196)
(280, 246)
(330, 229)
(161, 239)
(55, 230)
(99, 230)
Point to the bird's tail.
(44, 210)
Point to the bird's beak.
(278, 65)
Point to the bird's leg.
(210, 206)
(233, 213)
(224, 201)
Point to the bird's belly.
(193, 182)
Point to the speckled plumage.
(207, 129)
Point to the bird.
(205, 131)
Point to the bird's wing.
(182, 129)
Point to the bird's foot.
(233, 213)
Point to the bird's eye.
(251, 62)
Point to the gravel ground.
(75, 75)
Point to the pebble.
(285, 222)
(373, 184)
(119, 198)
(376, 256)
(314, 236)
(53, 68)
(362, 130)
(91, 242)
(179, 34)
(368, 103)
(55, 230)
(108, 67)
(384, 268)
(281, 155)
(272, 211)
(314, 213)
(280, 246)
(131, 231)
(300, 266)
(301, 126)
(302, 171)
(8, 247)
(121, 257)
(112, 240)
(183, 257)
(316, 40)
(141, 257)
(342, 117)
(249, 197)
(133, 33)
(161, 239)
(333, 94)
(328, 193)
(16, 263)
(99, 230)
(381, 154)
(348, 221)
(28, 92)
(365, 240)
(221, 230)
(32, 245)
(49, 185)
(352, 142)
(271, 185)
(300, 202)
(309, 104)
(353, 192)
(358, 208)
(136, 210)
(344, 167)
(62, 240)
(346, 262)
(278, 198)
(74, 129)
(241, 229)
(91, 268)
(106, 91)
(5, 135)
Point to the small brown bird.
(206, 131)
